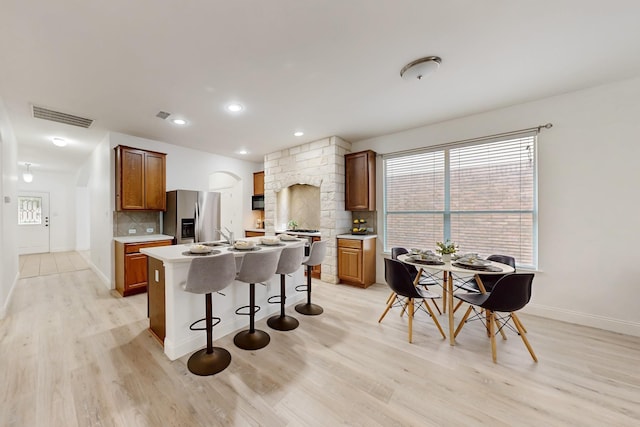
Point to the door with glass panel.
(33, 223)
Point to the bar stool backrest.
(317, 253)
(258, 267)
(290, 259)
(210, 274)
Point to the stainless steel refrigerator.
(192, 216)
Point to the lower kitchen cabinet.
(357, 261)
(156, 299)
(250, 233)
(131, 266)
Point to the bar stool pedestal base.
(283, 323)
(248, 340)
(203, 363)
(309, 309)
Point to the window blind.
(480, 195)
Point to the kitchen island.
(168, 268)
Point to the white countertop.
(175, 253)
(357, 236)
(298, 233)
(136, 238)
(257, 230)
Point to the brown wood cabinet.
(131, 266)
(360, 181)
(140, 179)
(258, 183)
(156, 299)
(249, 233)
(357, 262)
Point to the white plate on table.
(200, 249)
(473, 262)
(288, 238)
(270, 241)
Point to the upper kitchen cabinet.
(258, 183)
(140, 179)
(360, 181)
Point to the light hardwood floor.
(75, 354)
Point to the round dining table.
(449, 269)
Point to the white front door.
(33, 222)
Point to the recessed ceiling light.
(235, 108)
(299, 133)
(243, 152)
(179, 121)
(60, 142)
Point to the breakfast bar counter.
(172, 310)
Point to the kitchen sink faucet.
(229, 236)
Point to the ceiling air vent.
(57, 116)
(163, 114)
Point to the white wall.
(588, 198)
(8, 211)
(186, 169)
(62, 201)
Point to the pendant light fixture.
(27, 176)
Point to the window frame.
(447, 212)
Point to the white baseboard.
(5, 308)
(104, 279)
(585, 319)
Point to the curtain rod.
(536, 129)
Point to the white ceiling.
(327, 67)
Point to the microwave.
(257, 203)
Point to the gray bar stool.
(316, 256)
(256, 267)
(207, 275)
(289, 262)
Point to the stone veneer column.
(321, 164)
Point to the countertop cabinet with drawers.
(357, 261)
(131, 266)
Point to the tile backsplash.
(138, 221)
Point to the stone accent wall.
(321, 164)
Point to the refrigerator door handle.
(197, 223)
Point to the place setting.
(474, 262)
(200, 250)
(244, 246)
(270, 241)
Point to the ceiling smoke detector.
(163, 114)
(420, 68)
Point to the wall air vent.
(163, 115)
(57, 116)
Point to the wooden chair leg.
(410, 304)
(462, 322)
(522, 333)
(437, 308)
(389, 304)
(517, 319)
(491, 318)
(392, 295)
(435, 320)
(457, 306)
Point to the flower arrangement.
(292, 224)
(447, 247)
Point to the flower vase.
(446, 257)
